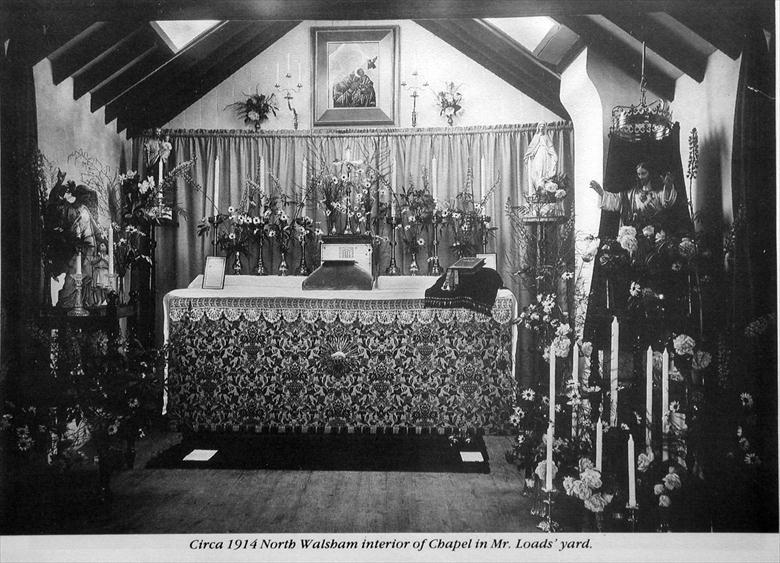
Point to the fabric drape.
(455, 149)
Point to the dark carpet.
(325, 452)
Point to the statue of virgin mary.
(541, 159)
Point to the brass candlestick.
(548, 524)
(392, 269)
(484, 232)
(435, 266)
(78, 310)
(303, 269)
(632, 516)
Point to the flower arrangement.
(550, 323)
(587, 488)
(449, 100)
(552, 189)
(147, 200)
(345, 196)
(417, 208)
(255, 108)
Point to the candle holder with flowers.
(469, 224)
(233, 236)
(284, 225)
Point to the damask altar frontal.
(263, 355)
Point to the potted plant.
(256, 108)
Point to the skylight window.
(178, 34)
(529, 32)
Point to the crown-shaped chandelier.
(643, 121)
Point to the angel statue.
(157, 148)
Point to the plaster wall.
(487, 99)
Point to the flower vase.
(449, 120)
(413, 267)
(260, 270)
(237, 264)
(303, 270)
(283, 268)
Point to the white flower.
(567, 275)
(231, 210)
(747, 400)
(684, 344)
(635, 290)
(664, 501)
(232, 236)
(648, 231)
(659, 489)
(256, 220)
(528, 394)
(560, 194)
(587, 348)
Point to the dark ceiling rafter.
(168, 73)
(504, 57)
(204, 77)
(145, 64)
(630, 62)
(85, 49)
(151, 10)
(142, 41)
(663, 42)
(723, 34)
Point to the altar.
(263, 355)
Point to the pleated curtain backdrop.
(455, 149)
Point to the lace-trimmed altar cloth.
(264, 354)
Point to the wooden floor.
(221, 501)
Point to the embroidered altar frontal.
(263, 355)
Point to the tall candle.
(434, 179)
(649, 397)
(216, 186)
(551, 406)
(348, 155)
(665, 404)
(78, 263)
(110, 252)
(550, 438)
(631, 473)
(159, 173)
(613, 373)
(304, 178)
(262, 175)
(599, 443)
(575, 368)
(482, 176)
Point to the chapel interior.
(388, 267)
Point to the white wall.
(487, 99)
(709, 107)
(65, 125)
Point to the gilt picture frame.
(355, 76)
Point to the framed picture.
(355, 75)
(214, 273)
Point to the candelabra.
(288, 91)
(392, 269)
(414, 87)
(435, 266)
(78, 310)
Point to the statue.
(541, 159)
(645, 202)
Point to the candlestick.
(110, 249)
(434, 179)
(78, 263)
(613, 373)
(631, 473)
(78, 310)
(649, 398)
(392, 269)
(216, 186)
(550, 437)
(599, 443)
(551, 406)
(665, 404)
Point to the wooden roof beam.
(663, 42)
(609, 46)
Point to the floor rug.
(325, 452)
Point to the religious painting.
(355, 75)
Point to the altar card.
(214, 273)
(199, 455)
(471, 457)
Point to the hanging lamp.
(643, 121)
